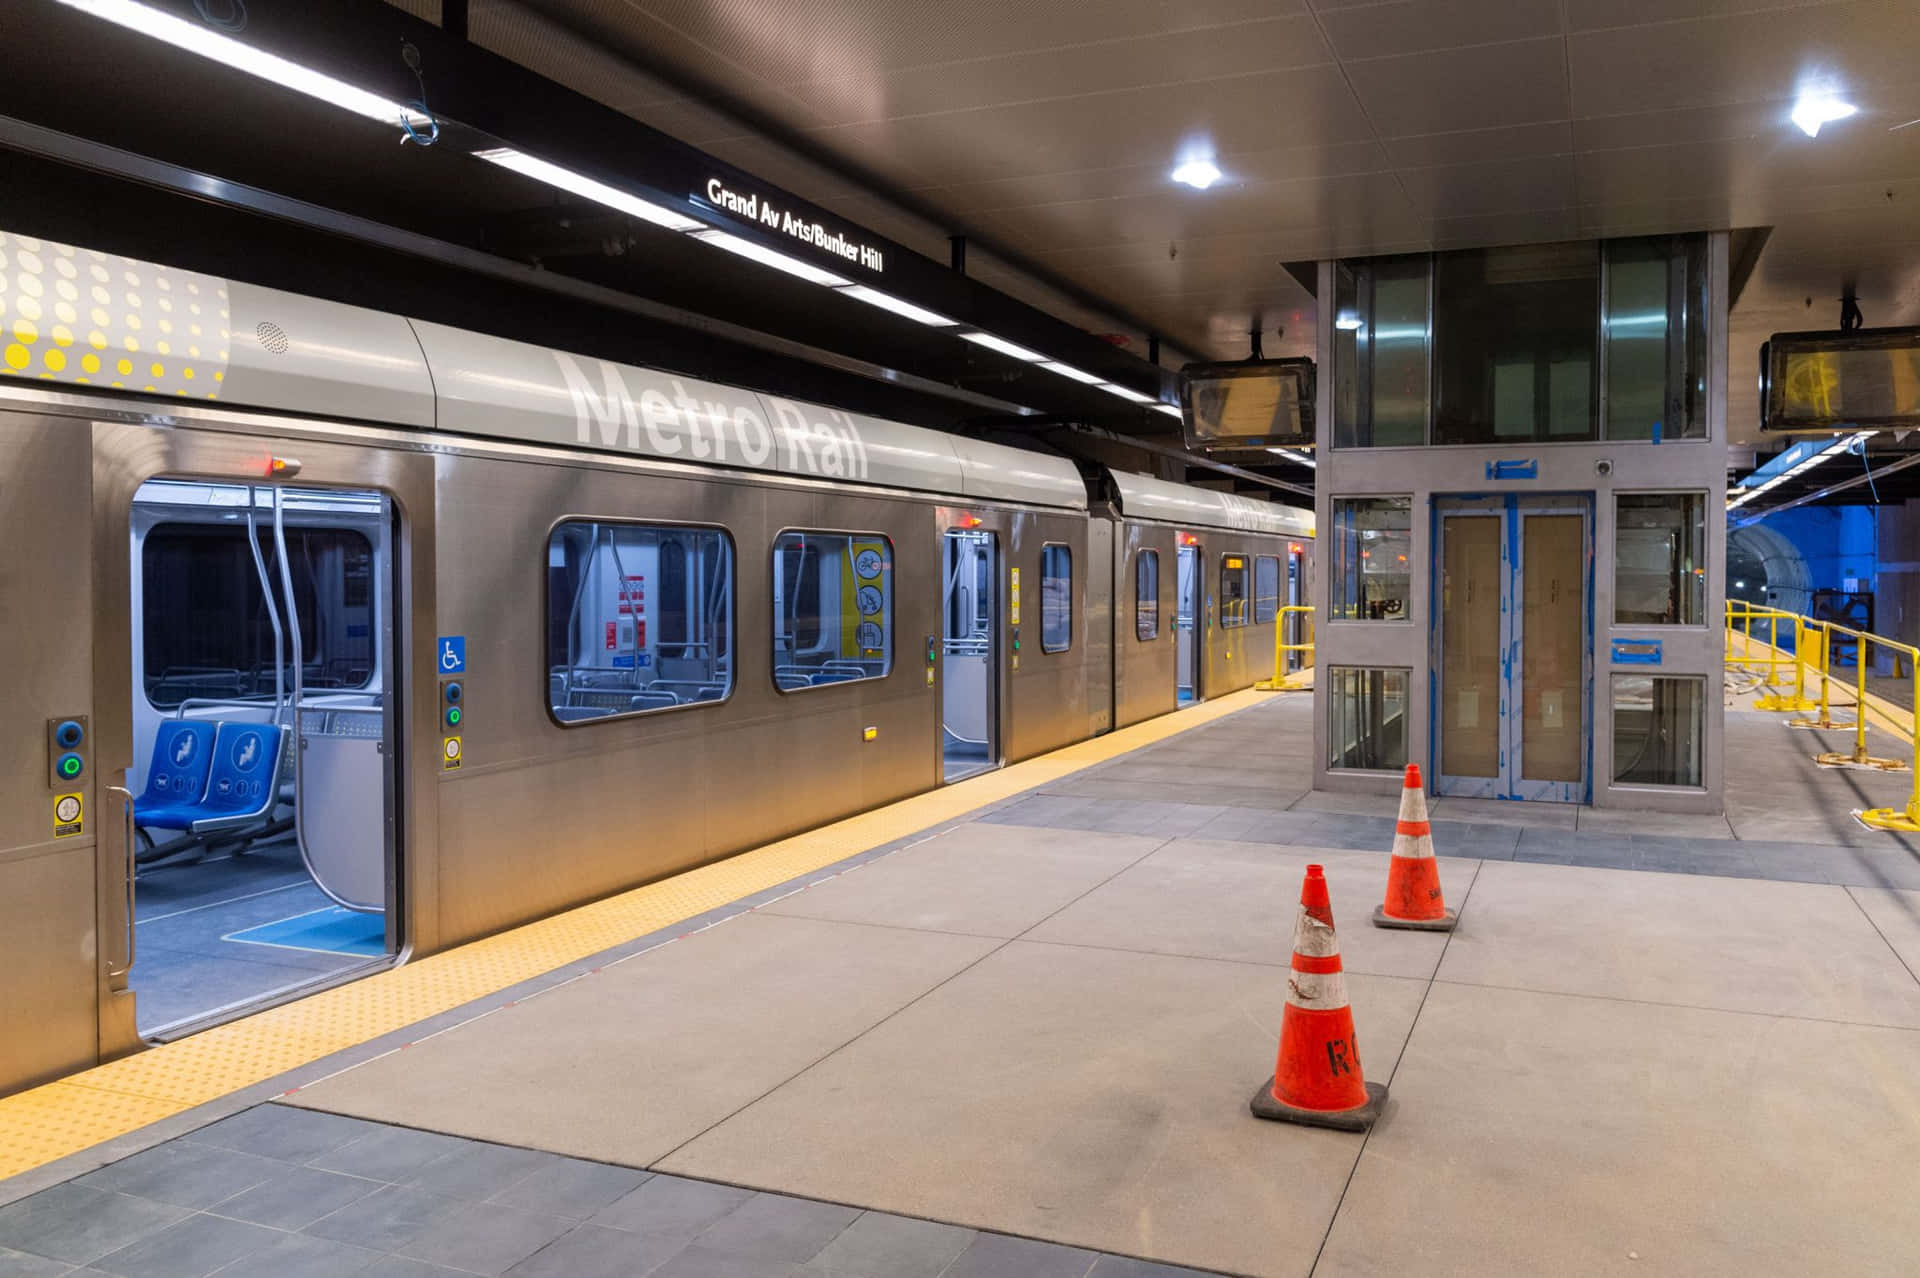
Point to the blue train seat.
(176, 774)
(244, 783)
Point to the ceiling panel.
(1586, 15)
(1474, 146)
(1419, 26)
(1484, 87)
(1498, 186)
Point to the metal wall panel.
(1145, 672)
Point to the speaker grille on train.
(271, 336)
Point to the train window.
(1056, 598)
(1146, 595)
(832, 608)
(204, 621)
(1233, 591)
(639, 618)
(1266, 589)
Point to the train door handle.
(126, 811)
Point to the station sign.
(760, 210)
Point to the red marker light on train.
(282, 468)
(970, 521)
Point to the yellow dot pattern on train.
(43, 284)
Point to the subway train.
(336, 638)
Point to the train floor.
(236, 929)
(1021, 1041)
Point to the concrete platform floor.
(1645, 1049)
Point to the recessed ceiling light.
(899, 306)
(1077, 374)
(1346, 323)
(1198, 174)
(1126, 393)
(1816, 109)
(768, 257)
(1005, 347)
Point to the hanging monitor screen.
(1826, 381)
(1265, 403)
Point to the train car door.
(969, 666)
(1186, 620)
(247, 708)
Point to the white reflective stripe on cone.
(1317, 991)
(1413, 803)
(1412, 845)
(1314, 938)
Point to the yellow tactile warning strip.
(58, 1119)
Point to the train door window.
(639, 618)
(1266, 589)
(832, 608)
(1233, 591)
(969, 668)
(262, 726)
(1146, 595)
(1056, 598)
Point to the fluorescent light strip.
(209, 43)
(769, 257)
(1005, 347)
(1133, 396)
(1741, 495)
(587, 188)
(899, 306)
(1077, 374)
(1295, 456)
(1170, 410)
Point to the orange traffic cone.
(1316, 1078)
(1413, 879)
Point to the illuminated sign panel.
(1248, 404)
(752, 206)
(1868, 377)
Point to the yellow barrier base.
(1860, 763)
(1887, 819)
(1785, 701)
(1825, 725)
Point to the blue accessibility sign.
(453, 653)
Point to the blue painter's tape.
(1514, 468)
(1636, 652)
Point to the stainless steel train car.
(336, 638)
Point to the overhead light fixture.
(1294, 456)
(1346, 322)
(1743, 494)
(1077, 374)
(1005, 347)
(207, 42)
(1198, 174)
(1815, 109)
(587, 188)
(768, 257)
(1171, 410)
(1123, 392)
(899, 306)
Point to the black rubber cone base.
(1264, 1105)
(1442, 924)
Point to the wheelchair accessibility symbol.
(453, 654)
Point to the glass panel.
(1369, 725)
(204, 618)
(1656, 343)
(1146, 595)
(1372, 537)
(1266, 589)
(1659, 555)
(1470, 645)
(1553, 556)
(1658, 731)
(1396, 335)
(639, 617)
(1056, 598)
(832, 608)
(1514, 336)
(1233, 591)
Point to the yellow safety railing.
(1812, 655)
(1281, 648)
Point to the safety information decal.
(1016, 597)
(450, 754)
(69, 815)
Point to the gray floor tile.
(405, 1267)
(572, 1187)
(672, 1205)
(192, 1248)
(1001, 1256)
(296, 1198)
(283, 1132)
(80, 1225)
(882, 1246)
(479, 1172)
(702, 1262)
(302, 1256)
(387, 1219)
(18, 1264)
(592, 1252)
(390, 1153)
(776, 1227)
(184, 1174)
(485, 1238)
(1125, 1267)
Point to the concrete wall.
(1563, 468)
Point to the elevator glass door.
(1511, 665)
